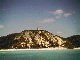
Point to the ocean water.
(41, 55)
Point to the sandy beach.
(57, 48)
(33, 49)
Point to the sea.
(69, 54)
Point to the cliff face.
(34, 39)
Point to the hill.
(35, 39)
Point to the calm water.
(41, 55)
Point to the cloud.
(57, 12)
(61, 13)
(49, 20)
(67, 14)
(59, 32)
(1, 26)
(58, 16)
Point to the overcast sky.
(61, 17)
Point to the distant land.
(37, 39)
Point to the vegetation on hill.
(35, 39)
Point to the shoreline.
(57, 48)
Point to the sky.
(60, 17)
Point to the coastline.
(57, 48)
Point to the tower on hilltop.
(37, 28)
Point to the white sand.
(77, 48)
(57, 48)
